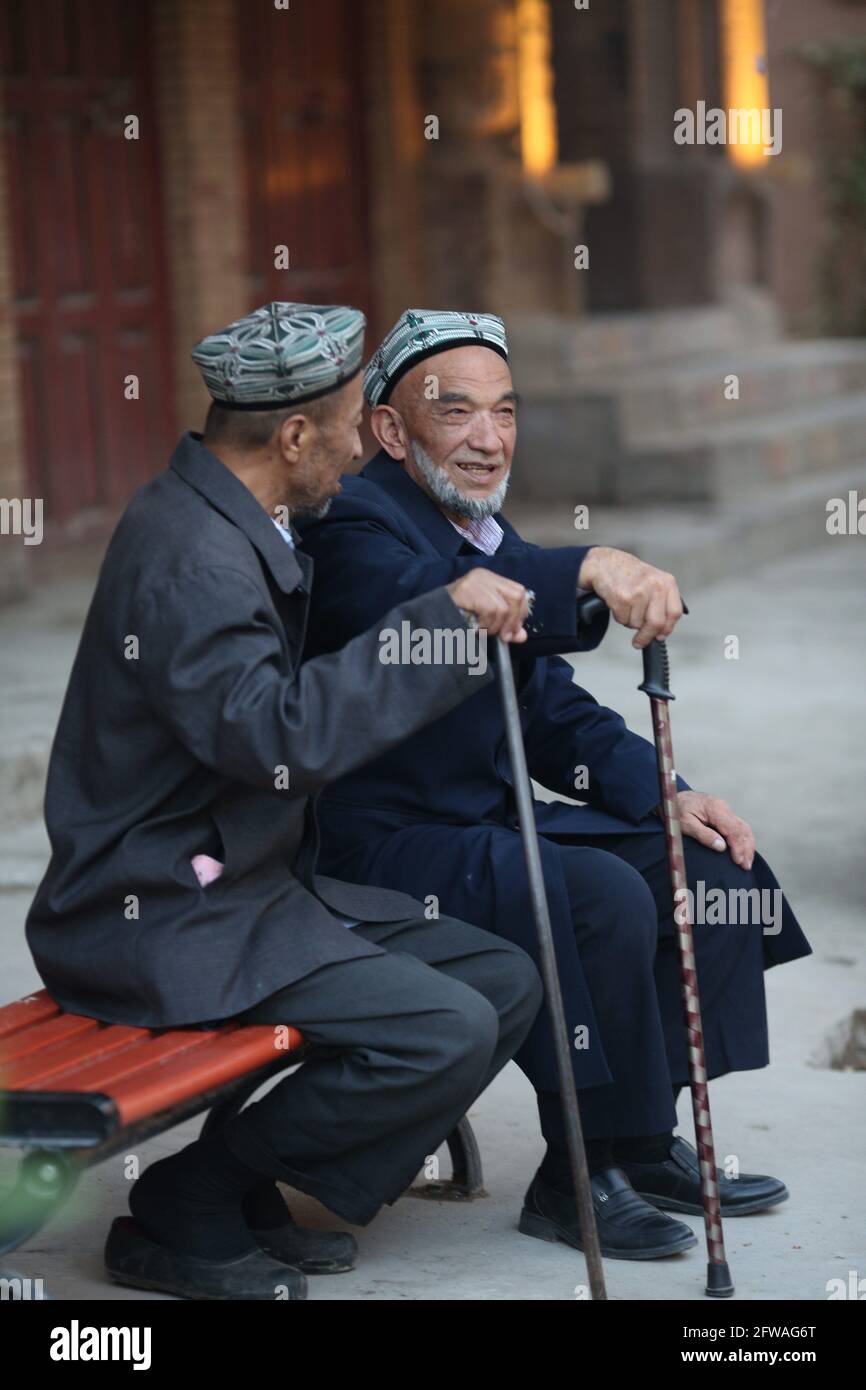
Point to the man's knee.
(514, 983)
(528, 986)
(501, 971)
(461, 1035)
(616, 898)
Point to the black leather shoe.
(675, 1185)
(132, 1258)
(628, 1227)
(312, 1252)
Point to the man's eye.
(455, 410)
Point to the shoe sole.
(690, 1209)
(136, 1281)
(543, 1228)
(314, 1266)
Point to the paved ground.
(780, 734)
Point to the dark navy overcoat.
(435, 817)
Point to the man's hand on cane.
(500, 605)
(637, 594)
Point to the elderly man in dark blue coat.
(436, 817)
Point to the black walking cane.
(655, 684)
(549, 972)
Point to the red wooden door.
(304, 150)
(89, 275)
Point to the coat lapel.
(202, 470)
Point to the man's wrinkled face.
(454, 420)
(333, 444)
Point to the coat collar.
(388, 474)
(203, 471)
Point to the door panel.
(87, 245)
(304, 145)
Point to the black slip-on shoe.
(675, 1185)
(132, 1258)
(628, 1227)
(312, 1252)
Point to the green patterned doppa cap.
(281, 354)
(420, 333)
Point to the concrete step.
(689, 394)
(719, 461)
(549, 352)
(571, 450)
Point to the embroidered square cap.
(281, 354)
(420, 333)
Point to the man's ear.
(293, 435)
(387, 425)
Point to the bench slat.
(33, 1009)
(100, 1074)
(226, 1056)
(58, 1063)
(24, 1043)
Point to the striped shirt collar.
(485, 535)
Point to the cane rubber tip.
(719, 1281)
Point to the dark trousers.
(622, 910)
(402, 1046)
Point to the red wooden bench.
(74, 1091)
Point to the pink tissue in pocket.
(206, 869)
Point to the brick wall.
(196, 64)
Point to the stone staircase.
(632, 408)
(628, 414)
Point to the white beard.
(449, 494)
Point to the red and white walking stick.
(655, 684)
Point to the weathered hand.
(499, 604)
(711, 820)
(637, 594)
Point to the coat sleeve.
(211, 665)
(570, 729)
(363, 566)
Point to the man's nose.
(484, 436)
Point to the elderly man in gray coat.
(180, 805)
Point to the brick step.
(722, 461)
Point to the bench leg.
(45, 1180)
(467, 1180)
